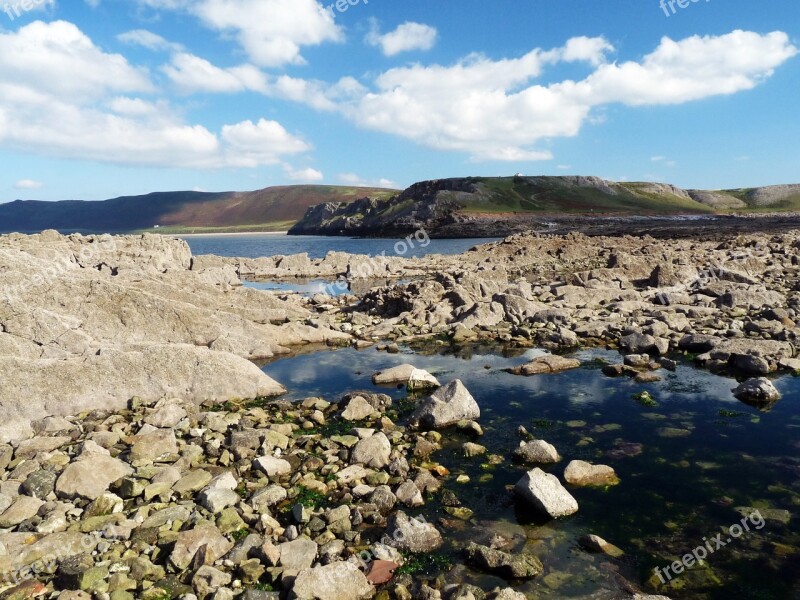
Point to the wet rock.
(537, 451)
(546, 364)
(758, 390)
(471, 449)
(446, 406)
(546, 494)
(409, 494)
(508, 566)
(582, 473)
(594, 543)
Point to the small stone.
(537, 451)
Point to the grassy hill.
(270, 209)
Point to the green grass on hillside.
(521, 194)
(262, 228)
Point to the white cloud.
(307, 175)
(194, 74)
(69, 99)
(28, 184)
(252, 144)
(492, 110)
(408, 36)
(272, 32)
(147, 39)
(357, 181)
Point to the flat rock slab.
(546, 364)
(544, 492)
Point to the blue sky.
(104, 98)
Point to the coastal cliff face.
(498, 207)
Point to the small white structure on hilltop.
(518, 175)
(156, 226)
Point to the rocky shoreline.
(147, 460)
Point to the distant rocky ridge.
(496, 207)
(267, 209)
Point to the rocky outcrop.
(92, 321)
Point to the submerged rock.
(544, 492)
(582, 473)
(503, 564)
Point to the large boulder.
(544, 492)
(446, 406)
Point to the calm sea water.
(256, 245)
(686, 464)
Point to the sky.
(104, 98)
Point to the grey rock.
(447, 406)
(545, 493)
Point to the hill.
(499, 205)
(270, 209)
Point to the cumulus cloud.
(408, 36)
(28, 184)
(71, 99)
(307, 175)
(271, 32)
(494, 110)
(191, 73)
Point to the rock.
(472, 450)
(188, 542)
(154, 444)
(24, 508)
(373, 451)
(546, 364)
(90, 476)
(502, 564)
(446, 406)
(545, 493)
(215, 500)
(758, 390)
(582, 473)
(265, 498)
(39, 484)
(398, 374)
(409, 494)
(167, 416)
(297, 555)
(336, 581)
(412, 534)
(594, 543)
(275, 468)
(537, 451)
(207, 580)
(358, 409)
(421, 380)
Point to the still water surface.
(685, 466)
